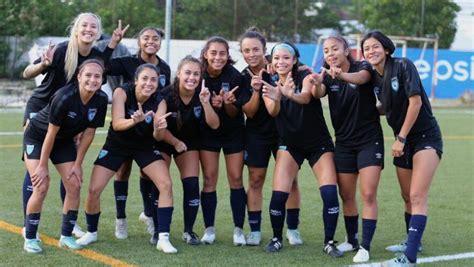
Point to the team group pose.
(272, 107)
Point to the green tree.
(413, 18)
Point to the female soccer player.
(59, 63)
(223, 81)
(303, 135)
(189, 108)
(131, 135)
(418, 144)
(73, 109)
(149, 43)
(261, 139)
(359, 140)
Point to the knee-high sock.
(407, 221)
(145, 188)
(255, 220)
(190, 201)
(415, 233)
(352, 228)
(31, 225)
(368, 230)
(164, 219)
(121, 193)
(330, 210)
(155, 195)
(209, 205)
(292, 218)
(62, 191)
(277, 212)
(69, 220)
(238, 201)
(92, 222)
(27, 192)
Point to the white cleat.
(294, 237)
(362, 255)
(239, 237)
(254, 238)
(346, 247)
(77, 231)
(121, 228)
(148, 221)
(209, 236)
(164, 244)
(87, 238)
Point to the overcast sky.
(464, 39)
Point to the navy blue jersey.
(302, 126)
(127, 65)
(354, 114)
(141, 134)
(262, 123)
(228, 124)
(67, 111)
(56, 77)
(185, 120)
(404, 82)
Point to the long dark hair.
(175, 87)
(215, 39)
(344, 43)
(389, 47)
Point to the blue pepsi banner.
(454, 74)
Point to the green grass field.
(450, 228)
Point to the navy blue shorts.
(351, 160)
(231, 143)
(311, 154)
(64, 150)
(33, 106)
(258, 151)
(112, 155)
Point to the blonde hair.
(71, 59)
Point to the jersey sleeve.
(58, 108)
(411, 79)
(246, 89)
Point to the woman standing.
(418, 144)
(73, 109)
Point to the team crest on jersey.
(197, 112)
(32, 115)
(334, 88)
(148, 119)
(275, 78)
(29, 149)
(91, 114)
(395, 84)
(103, 153)
(162, 80)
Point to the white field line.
(21, 133)
(467, 255)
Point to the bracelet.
(401, 139)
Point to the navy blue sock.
(145, 188)
(31, 225)
(277, 212)
(415, 232)
(62, 191)
(352, 228)
(92, 222)
(190, 202)
(238, 201)
(164, 219)
(407, 221)
(255, 220)
(69, 220)
(368, 230)
(155, 195)
(121, 193)
(27, 192)
(330, 210)
(292, 218)
(209, 205)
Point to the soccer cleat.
(239, 237)
(400, 261)
(191, 238)
(347, 247)
(254, 238)
(32, 246)
(121, 228)
(77, 231)
(87, 238)
(68, 242)
(209, 236)
(400, 248)
(331, 249)
(148, 221)
(274, 245)
(294, 237)
(164, 244)
(362, 255)
(23, 233)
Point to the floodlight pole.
(169, 4)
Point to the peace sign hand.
(229, 97)
(47, 56)
(334, 72)
(216, 100)
(138, 115)
(160, 122)
(118, 34)
(204, 95)
(288, 89)
(317, 78)
(256, 81)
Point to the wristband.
(402, 140)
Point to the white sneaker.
(164, 243)
(87, 238)
(361, 256)
(346, 247)
(294, 237)
(77, 231)
(209, 236)
(254, 238)
(23, 233)
(121, 228)
(239, 237)
(148, 221)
